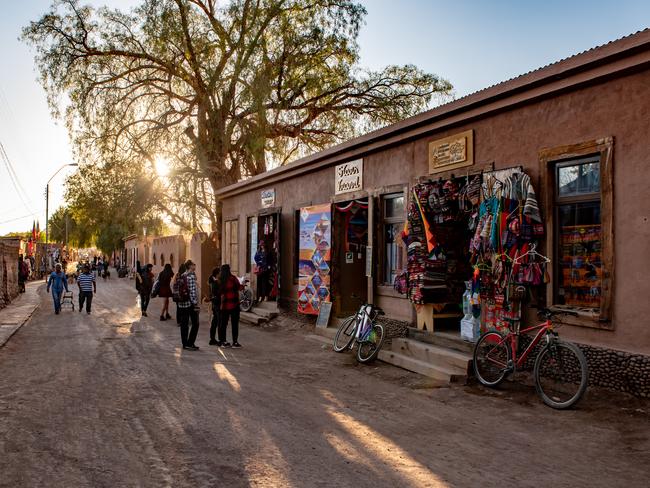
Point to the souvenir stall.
(472, 244)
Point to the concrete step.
(320, 339)
(430, 353)
(264, 313)
(447, 340)
(417, 366)
(251, 318)
(328, 332)
(272, 306)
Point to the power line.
(22, 194)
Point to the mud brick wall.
(616, 370)
(8, 273)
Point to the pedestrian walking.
(188, 305)
(181, 272)
(229, 289)
(23, 273)
(165, 291)
(57, 282)
(262, 271)
(215, 294)
(146, 285)
(87, 287)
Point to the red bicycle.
(560, 369)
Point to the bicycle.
(362, 329)
(245, 295)
(560, 369)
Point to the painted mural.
(315, 258)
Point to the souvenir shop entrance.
(472, 251)
(350, 241)
(268, 231)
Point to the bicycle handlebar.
(548, 313)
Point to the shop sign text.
(349, 177)
(268, 198)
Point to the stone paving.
(19, 310)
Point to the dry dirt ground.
(110, 400)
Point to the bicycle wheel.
(345, 335)
(561, 374)
(369, 348)
(491, 358)
(246, 302)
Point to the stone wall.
(8, 273)
(616, 370)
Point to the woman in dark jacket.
(165, 291)
(215, 294)
(229, 288)
(262, 263)
(145, 288)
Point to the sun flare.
(162, 166)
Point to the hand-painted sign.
(349, 177)
(451, 152)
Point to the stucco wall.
(169, 246)
(618, 108)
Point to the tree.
(232, 86)
(106, 203)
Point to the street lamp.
(47, 203)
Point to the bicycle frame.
(512, 339)
(363, 321)
(544, 327)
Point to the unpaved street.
(110, 400)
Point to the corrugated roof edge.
(550, 71)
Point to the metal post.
(47, 226)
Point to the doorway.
(268, 231)
(350, 241)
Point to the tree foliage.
(230, 87)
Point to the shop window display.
(578, 241)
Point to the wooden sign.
(349, 177)
(324, 314)
(452, 152)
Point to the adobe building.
(168, 250)
(137, 249)
(203, 250)
(549, 166)
(9, 252)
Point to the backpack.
(180, 290)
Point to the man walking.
(87, 286)
(57, 282)
(188, 306)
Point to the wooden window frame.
(249, 243)
(383, 221)
(234, 266)
(548, 159)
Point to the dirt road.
(110, 400)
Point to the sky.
(473, 44)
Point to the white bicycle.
(362, 329)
